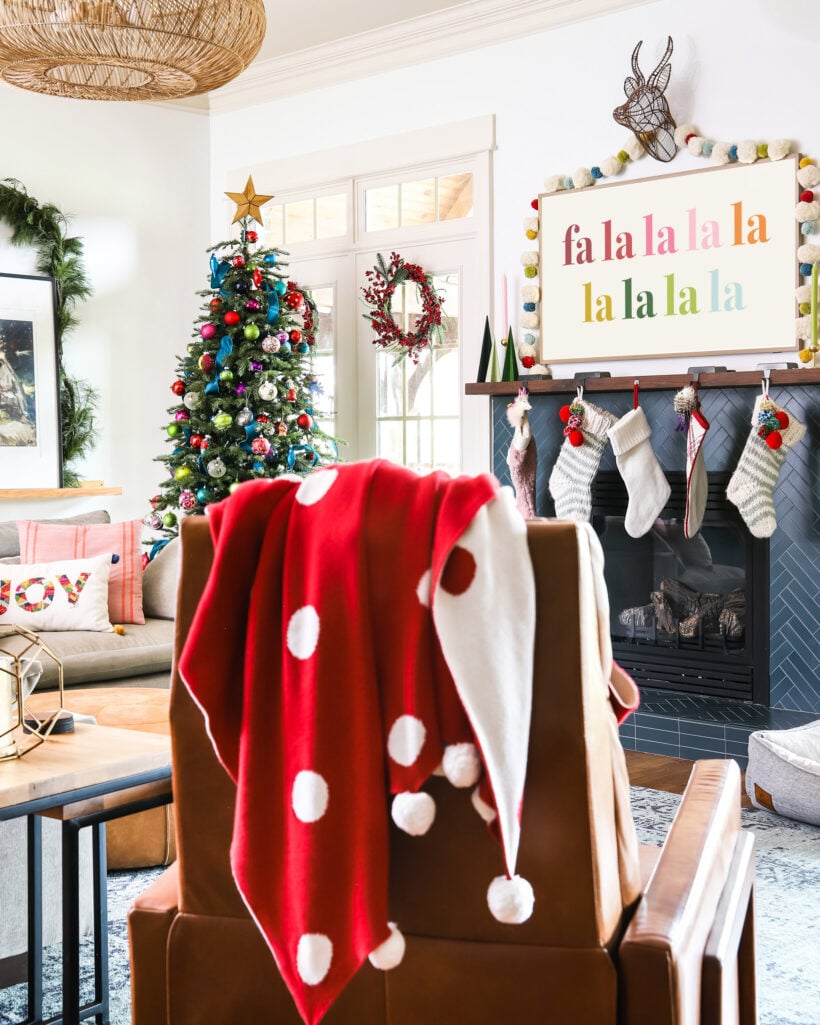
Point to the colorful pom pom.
(568, 183)
(527, 362)
(531, 272)
(623, 156)
(782, 419)
(774, 439)
(805, 270)
(596, 172)
(529, 307)
(707, 149)
(805, 308)
(564, 413)
(534, 204)
(576, 439)
(806, 196)
(808, 228)
(762, 150)
(805, 161)
(531, 234)
(691, 135)
(733, 152)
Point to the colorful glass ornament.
(270, 258)
(226, 375)
(215, 303)
(285, 349)
(182, 472)
(282, 336)
(192, 399)
(182, 414)
(271, 345)
(240, 389)
(257, 277)
(291, 395)
(280, 287)
(221, 420)
(187, 500)
(260, 446)
(302, 348)
(268, 391)
(231, 317)
(305, 421)
(244, 417)
(169, 520)
(207, 331)
(195, 440)
(251, 332)
(205, 362)
(216, 468)
(252, 305)
(256, 366)
(249, 236)
(178, 387)
(173, 430)
(262, 418)
(238, 260)
(296, 336)
(202, 496)
(241, 287)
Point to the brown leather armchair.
(619, 934)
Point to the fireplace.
(687, 615)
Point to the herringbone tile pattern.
(795, 545)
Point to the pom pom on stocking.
(390, 953)
(510, 900)
(461, 764)
(413, 813)
(571, 479)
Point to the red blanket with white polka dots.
(354, 623)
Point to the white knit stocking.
(646, 485)
(571, 479)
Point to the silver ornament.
(244, 417)
(216, 468)
(191, 399)
(267, 391)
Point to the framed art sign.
(694, 263)
(30, 440)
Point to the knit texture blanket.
(354, 624)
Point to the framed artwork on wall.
(30, 439)
(694, 263)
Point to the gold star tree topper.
(248, 203)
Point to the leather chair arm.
(149, 922)
(662, 950)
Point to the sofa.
(120, 679)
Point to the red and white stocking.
(692, 420)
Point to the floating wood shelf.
(86, 489)
(651, 382)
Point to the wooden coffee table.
(84, 779)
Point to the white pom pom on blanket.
(413, 813)
(461, 764)
(510, 900)
(486, 811)
(390, 953)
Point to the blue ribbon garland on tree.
(301, 448)
(219, 268)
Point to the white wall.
(741, 69)
(133, 179)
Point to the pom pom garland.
(413, 813)
(808, 176)
(611, 166)
(529, 259)
(808, 253)
(582, 178)
(694, 145)
(806, 196)
(530, 293)
(529, 320)
(720, 152)
(390, 953)
(805, 270)
(747, 152)
(779, 148)
(554, 183)
(634, 148)
(510, 900)
(682, 133)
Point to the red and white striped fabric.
(354, 624)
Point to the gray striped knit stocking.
(752, 483)
(571, 479)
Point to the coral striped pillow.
(41, 542)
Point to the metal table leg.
(34, 826)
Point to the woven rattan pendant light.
(127, 49)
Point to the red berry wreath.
(383, 281)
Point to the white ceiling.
(303, 24)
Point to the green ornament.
(182, 472)
(251, 332)
(222, 421)
(169, 519)
(174, 430)
(226, 375)
(234, 486)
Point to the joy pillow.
(71, 594)
(41, 542)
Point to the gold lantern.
(20, 668)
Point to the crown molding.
(465, 26)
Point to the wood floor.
(663, 773)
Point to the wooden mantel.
(652, 382)
(86, 489)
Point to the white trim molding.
(465, 26)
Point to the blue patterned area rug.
(787, 903)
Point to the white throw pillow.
(71, 594)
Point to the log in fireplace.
(687, 615)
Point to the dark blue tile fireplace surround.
(683, 723)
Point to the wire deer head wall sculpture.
(646, 111)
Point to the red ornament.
(195, 441)
(231, 317)
(155, 501)
(215, 303)
(534, 204)
(575, 438)
(305, 421)
(238, 261)
(774, 439)
(178, 387)
(564, 413)
(262, 418)
(250, 236)
(806, 196)
(782, 419)
(295, 336)
(257, 277)
(204, 444)
(527, 362)
(291, 396)
(294, 300)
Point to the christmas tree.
(245, 387)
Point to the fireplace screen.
(685, 614)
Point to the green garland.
(59, 256)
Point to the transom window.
(306, 220)
(405, 204)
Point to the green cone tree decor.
(245, 387)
